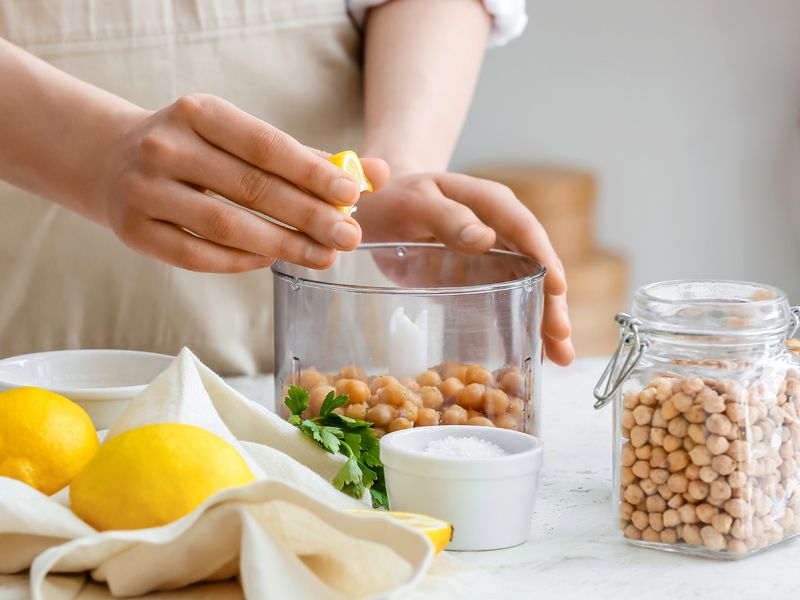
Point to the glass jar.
(415, 335)
(706, 402)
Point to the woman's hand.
(471, 215)
(153, 189)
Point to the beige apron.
(66, 282)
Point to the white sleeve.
(508, 16)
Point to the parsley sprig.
(339, 434)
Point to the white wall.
(689, 112)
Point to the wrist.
(403, 155)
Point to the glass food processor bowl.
(415, 335)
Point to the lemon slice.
(439, 532)
(349, 161)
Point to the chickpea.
(739, 450)
(381, 381)
(456, 415)
(708, 474)
(482, 421)
(712, 539)
(678, 483)
(665, 492)
(669, 536)
(356, 411)
(658, 420)
(723, 464)
(698, 490)
(656, 521)
(471, 413)
(639, 435)
(712, 402)
(655, 504)
(507, 422)
(427, 417)
(516, 408)
(737, 479)
(663, 391)
(353, 372)
(642, 414)
(477, 374)
(677, 460)
(394, 394)
(633, 494)
(317, 397)
(399, 423)
(659, 475)
(639, 519)
(650, 535)
(705, 512)
(682, 402)
(692, 385)
(691, 535)
(450, 388)
(658, 458)
(311, 378)
(671, 443)
(644, 452)
(357, 391)
(472, 396)
(672, 518)
(719, 424)
(737, 508)
(676, 501)
(627, 476)
(410, 384)
(626, 510)
(678, 427)
(688, 514)
(511, 382)
(641, 469)
(717, 444)
(631, 532)
(381, 415)
(700, 455)
(429, 379)
(649, 487)
(409, 410)
(495, 402)
(692, 472)
(736, 546)
(695, 414)
(431, 396)
(668, 410)
(722, 523)
(697, 433)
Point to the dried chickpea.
(708, 474)
(669, 536)
(381, 415)
(665, 492)
(627, 476)
(454, 415)
(660, 476)
(691, 534)
(688, 514)
(644, 452)
(639, 435)
(676, 501)
(631, 532)
(477, 374)
(450, 388)
(739, 450)
(682, 402)
(472, 396)
(678, 427)
(639, 519)
(677, 460)
(431, 397)
(668, 411)
(717, 444)
(658, 420)
(737, 479)
(429, 379)
(427, 417)
(698, 490)
(650, 535)
(641, 469)
(495, 402)
(671, 443)
(723, 464)
(656, 522)
(737, 508)
(722, 523)
(357, 391)
(700, 456)
(692, 472)
(712, 539)
(658, 458)
(695, 414)
(712, 401)
(633, 494)
(626, 510)
(649, 487)
(655, 504)
(506, 422)
(678, 483)
(719, 424)
(705, 512)
(642, 414)
(398, 424)
(697, 433)
(692, 385)
(671, 518)
(356, 411)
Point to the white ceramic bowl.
(101, 381)
(489, 501)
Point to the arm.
(421, 65)
(144, 174)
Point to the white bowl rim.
(395, 456)
(85, 392)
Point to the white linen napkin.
(283, 535)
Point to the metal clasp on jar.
(618, 369)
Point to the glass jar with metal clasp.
(706, 400)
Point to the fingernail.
(344, 189)
(344, 234)
(472, 234)
(317, 255)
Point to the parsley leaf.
(350, 437)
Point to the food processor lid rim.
(442, 291)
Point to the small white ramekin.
(101, 381)
(489, 501)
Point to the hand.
(152, 190)
(471, 215)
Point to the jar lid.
(698, 307)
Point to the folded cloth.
(284, 535)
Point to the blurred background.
(674, 128)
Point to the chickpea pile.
(711, 463)
(448, 394)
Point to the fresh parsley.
(352, 438)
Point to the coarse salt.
(463, 447)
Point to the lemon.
(439, 532)
(45, 438)
(349, 161)
(153, 475)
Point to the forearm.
(422, 59)
(55, 130)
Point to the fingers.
(251, 187)
(377, 171)
(556, 330)
(224, 125)
(496, 206)
(172, 245)
(234, 228)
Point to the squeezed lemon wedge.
(439, 532)
(349, 161)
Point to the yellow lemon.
(45, 438)
(349, 161)
(153, 475)
(439, 532)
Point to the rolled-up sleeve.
(509, 17)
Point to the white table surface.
(574, 550)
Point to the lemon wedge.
(349, 161)
(439, 532)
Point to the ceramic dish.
(101, 381)
(489, 501)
